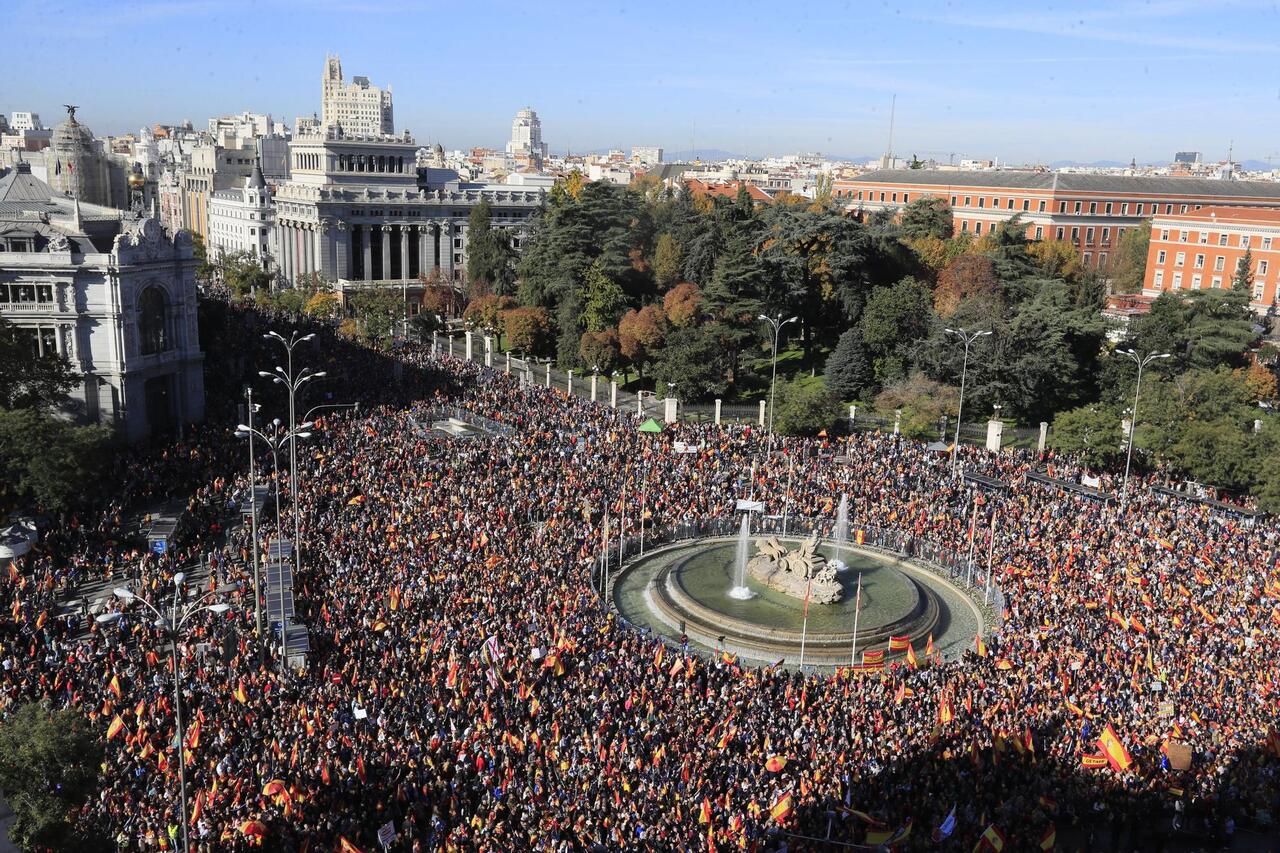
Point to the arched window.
(153, 333)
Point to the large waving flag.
(1113, 748)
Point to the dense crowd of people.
(467, 683)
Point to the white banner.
(750, 506)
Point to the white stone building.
(240, 220)
(111, 291)
(358, 107)
(526, 137)
(360, 212)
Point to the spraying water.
(740, 589)
(841, 534)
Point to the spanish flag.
(1093, 762)
(240, 695)
(41, 619)
(860, 537)
(1117, 756)
(899, 644)
(782, 807)
(1050, 838)
(945, 714)
(928, 649)
(992, 839)
(704, 814)
(728, 659)
(911, 656)
(198, 808)
(114, 686)
(345, 846)
(873, 657)
(657, 656)
(982, 647)
(116, 727)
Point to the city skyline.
(1094, 82)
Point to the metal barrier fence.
(970, 576)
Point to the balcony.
(30, 308)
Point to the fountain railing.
(970, 576)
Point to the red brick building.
(1092, 211)
(1203, 248)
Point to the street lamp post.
(253, 510)
(1133, 418)
(968, 338)
(172, 626)
(292, 383)
(274, 444)
(776, 323)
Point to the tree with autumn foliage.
(640, 335)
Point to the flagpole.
(804, 630)
(622, 526)
(972, 529)
(786, 499)
(857, 606)
(604, 557)
(991, 550)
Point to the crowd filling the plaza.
(467, 683)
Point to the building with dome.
(110, 290)
(75, 163)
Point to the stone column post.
(423, 232)
(386, 251)
(897, 421)
(613, 393)
(404, 250)
(719, 402)
(762, 404)
(468, 334)
(342, 252)
(995, 435)
(568, 385)
(508, 367)
(1044, 436)
(671, 408)
(548, 374)
(488, 351)
(594, 379)
(366, 247)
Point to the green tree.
(735, 298)
(1243, 279)
(893, 319)
(1091, 432)
(603, 301)
(1129, 265)
(377, 312)
(692, 359)
(47, 460)
(849, 374)
(489, 253)
(243, 273)
(923, 404)
(668, 261)
(929, 216)
(482, 312)
(28, 380)
(804, 409)
(49, 765)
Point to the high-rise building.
(25, 121)
(526, 137)
(1191, 158)
(358, 107)
(649, 155)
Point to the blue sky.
(1083, 81)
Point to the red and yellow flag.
(782, 807)
(116, 727)
(982, 647)
(114, 686)
(345, 846)
(1113, 748)
(911, 656)
(899, 644)
(1050, 838)
(992, 839)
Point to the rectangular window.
(1262, 267)
(1088, 236)
(1195, 282)
(1124, 209)
(1062, 207)
(1222, 239)
(1244, 241)
(1217, 281)
(895, 196)
(1039, 232)
(964, 227)
(1108, 208)
(1106, 236)
(1102, 260)
(953, 201)
(968, 201)
(1139, 210)
(1159, 279)
(1160, 256)
(1180, 259)
(1093, 208)
(1177, 281)
(1079, 205)
(982, 201)
(1257, 290)
(1040, 209)
(906, 197)
(1204, 237)
(1218, 263)
(1026, 204)
(1168, 209)
(1060, 234)
(995, 202)
(1075, 235)
(1010, 205)
(1182, 236)
(1266, 242)
(977, 226)
(1088, 256)
(1164, 235)
(1199, 262)
(1184, 208)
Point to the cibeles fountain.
(763, 597)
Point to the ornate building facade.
(361, 212)
(357, 107)
(111, 291)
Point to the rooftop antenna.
(1231, 147)
(893, 111)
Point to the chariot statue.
(800, 572)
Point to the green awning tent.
(651, 425)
